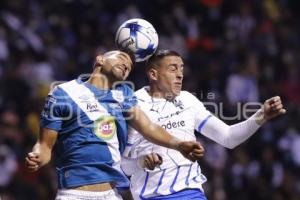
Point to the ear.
(153, 74)
(99, 60)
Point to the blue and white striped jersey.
(180, 118)
(92, 132)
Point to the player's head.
(115, 65)
(165, 72)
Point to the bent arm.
(44, 145)
(151, 131)
(192, 150)
(231, 136)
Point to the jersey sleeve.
(54, 111)
(129, 163)
(133, 143)
(202, 115)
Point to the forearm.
(231, 136)
(159, 136)
(151, 131)
(41, 151)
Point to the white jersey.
(180, 118)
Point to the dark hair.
(130, 53)
(154, 60)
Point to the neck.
(99, 80)
(155, 92)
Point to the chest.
(85, 109)
(173, 117)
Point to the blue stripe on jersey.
(120, 189)
(171, 157)
(128, 144)
(198, 175)
(187, 194)
(203, 123)
(188, 176)
(144, 186)
(174, 181)
(160, 180)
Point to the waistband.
(99, 187)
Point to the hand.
(192, 150)
(33, 161)
(272, 108)
(151, 161)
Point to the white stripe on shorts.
(70, 194)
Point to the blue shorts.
(182, 195)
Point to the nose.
(179, 74)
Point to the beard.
(118, 73)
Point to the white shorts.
(69, 194)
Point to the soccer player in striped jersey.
(160, 173)
(85, 122)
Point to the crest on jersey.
(105, 127)
(118, 95)
(85, 97)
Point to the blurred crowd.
(234, 51)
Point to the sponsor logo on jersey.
(118, 95)
(92, 107)
(179, 104)
(172, 124)
(115, 106)
(85, 97)
(105, 127)
(170, 115)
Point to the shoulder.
(190, 99)
(58, 91)
(187, 96)
(69, 84)
(123, 93)
(143, 96)
(126, 87)
(141, 92)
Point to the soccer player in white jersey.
(160, 173)
(85, 122)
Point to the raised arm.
(41, 151)
(231, 136)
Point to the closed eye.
(174, 68)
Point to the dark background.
(235, 52)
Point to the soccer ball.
(137, 36)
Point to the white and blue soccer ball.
(138, 37)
